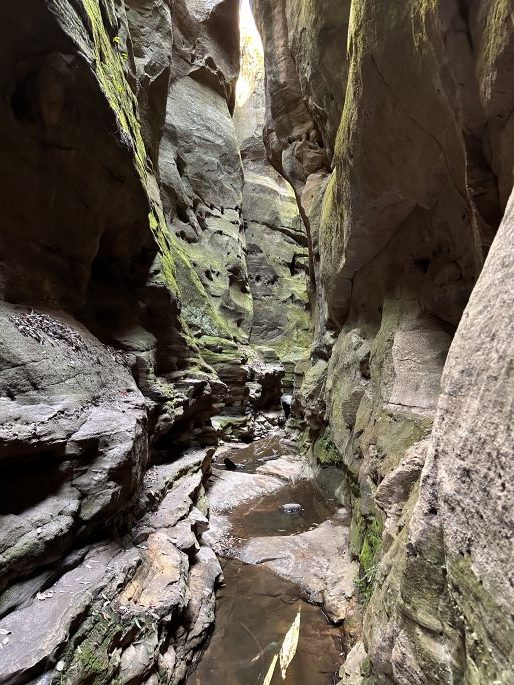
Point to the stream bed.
(267, 517)
(256, 607)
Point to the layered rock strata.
(126, 316)
(277, 255)
(100, 375)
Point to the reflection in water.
(255, 609)
(255, 454)
(265, 516)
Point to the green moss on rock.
(325, 451)
(109, 66)
(390, 433)
(366, 545)
(91, 654)
(489, 637)
(175, 269)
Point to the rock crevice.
(183, 255)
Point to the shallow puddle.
(266, 517)
(255, 454)
(255, 609)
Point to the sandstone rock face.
(200, 166)
(161, 266)
(73, 417)
(108, 612)
(100, 376)
(305, 83)
(277, 254)
(469, 463)
(305, 80)
(127, 314)
(401, 207)
(455, 572)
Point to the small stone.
(291, 508)
(229, 464)
(60, 666)
(41, 596)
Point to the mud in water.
(266, 517)
(255, 609)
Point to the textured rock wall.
(402, 206)
(127, 314)
(103, 575)
(277, 255)
(200, 167)
(206, 193)
(452, 562)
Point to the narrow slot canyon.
(256, 342)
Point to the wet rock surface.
(125, 317)
(107, 613)
(168, 251)
(306, 549)
(270, 517)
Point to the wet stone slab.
(250, 457)
(267, 516)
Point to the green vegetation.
(368, 557)
(365, 529)
(325, 451)
(90, 653)
(93, 661)
(110, 70)
(176, 270)
(366, 545)
(390, 433)
(483, 623)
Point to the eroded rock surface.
(253, 520)
(317, 561)
(126, 316)
(72, 417)
(454, 567)
(277, 254)
(110, 611)
(402, 206)
(161, 267)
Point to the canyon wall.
(392, 121)
(126, 314)
(277, 249)
(168, 244)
